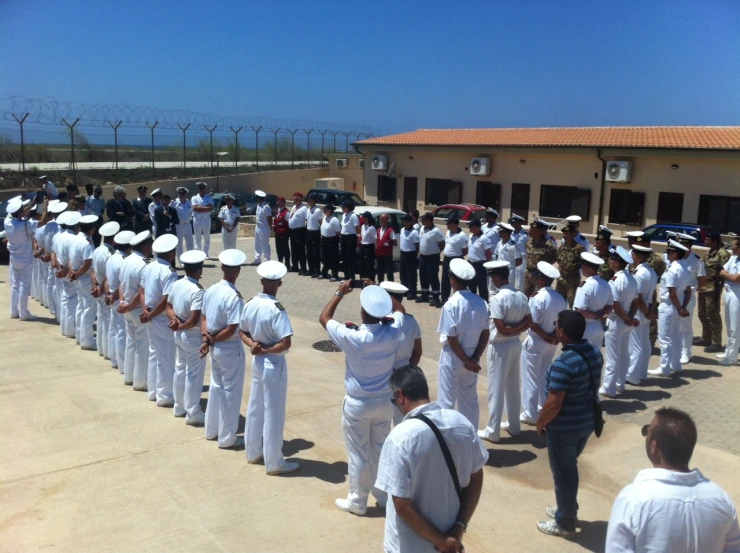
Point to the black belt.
(477, 262)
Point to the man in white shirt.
(101, 254)
(313, 236)
(297, 225)
(117, 330)
(593, 299)
(639, 346)
(80, 265)
(263, 220)
(510, 317)
(479, 251)
(68, 300)
(731, 274)
(46, 184)
(491, 228)
(671, 508)
(506, 250)
(183, 229)
(431, 244)
(456, 246)
(697, 273)
(520, 237)
(202, 207)
(428, 509)
(350, 228)
(156, 203)
(330, 229)
(229, 216)
(409, 244)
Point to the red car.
(464, 212)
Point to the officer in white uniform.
(731, 274)
(202, 207)
(219, 325)
(639, 346)
(456, 246)
(52, 228)
(137, 342)
(593, 299)
(100, 285)
(491, 228)
(68, 301)
(620, 323)
(510, 317)
(229, 217)
(184, 229)
(117, 336)
(463, 333)
(506, 250)
(313, 236)
(263, 217)
(675, 295)
(697, 273)
(575, 220)
(156, 202)
(266, 331)
(80, 265)
(520, 237)
(539, 348)
(46, 184)
(38, 280)
(184, 307)
(157, 279)
(367, 410)
(479, 251)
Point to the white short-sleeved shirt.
(507, 251)
(152, 207)
(521, 237)
(646, 279)
(544, 307)
(429, 240)
(409, 240)
(410, 332)
(63, 245)
(100, 259)
(222, 307)
(349, 223)
(50, 230)
(593, 294)
(675, 276)
(477, 247)
(509, 305)
(413, 467)
(676, 512)
(38, 235)
(205, 201)
(51, 187)
(20, 235)
(492, 233)
(694, 266)
(369, 355)
(184, 210)
(297, 217)
(113, 267)
(266, 320)
(262, 213)
(465, 316)
(81, 249)
(455, 243)
(368, 235)
(733, 267)
(313, 218)
(229, 216)
(330, 227)
(157, 279)
(131, 271)
(186, 296)
(624, 291)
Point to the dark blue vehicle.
(659, 232)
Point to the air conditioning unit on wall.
(341, 163)
(480, 166)
(362, 163)
(618, 171)
(379, 162)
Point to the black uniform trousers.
(409, 265)
(446, 287)
(349, 255)
(313, 251)
(298, 248)
(385, 268)
(282, 245)
(479, 285)
(330, 255)
(367, 261)
(429, 273)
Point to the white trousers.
(732, 322)
(184, 232)
(229, 238)
(202, 230)
(190, 369)
(161, 362)
(44, 283)
(266, 410)
(457, 386)
(21, 272)
(225, 394)
(137, 350)
(117, 338)
(87, 309)
(617, 338)
(503, 386)
(262, 243)
(366, 424)
(669, 334)
(58, 289)
(51, 291)
(639, 351)
(687, 327)
(69, 308)
(536, 359)
(102, 326)
(594, 333)
(519, 276)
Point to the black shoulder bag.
(445, 452)
(598, 411)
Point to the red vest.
(384, 246)
(281, 223)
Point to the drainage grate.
(326, 346)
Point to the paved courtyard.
(88, 465)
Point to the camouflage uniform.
(709, 304)
(542, 251)
(658, 265)
(605, 271)
(569, 265)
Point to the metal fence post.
(115, 141)
(151, 128)
(23, 146)
(210, 131)
(334, 134)
(292, 147)
(236, 153)
(72, 144)
(275, 132)
(346, 139)
(322, 133)
(257, 146)
(308, 147)
(184, 149)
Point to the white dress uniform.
(537, 354)
(184, 228)
(732, 310)
(412, 466)
(639, 346)
(50, 229)
(504, 355)
(186, 296)
(509, 252)
(262, 232)
(222, 307)
(202, 222)
(99, 259)
(267, 322)
(520, 237)
(669, 325)
(367, 411)
(81, 250)
(117, 336)
(410, 332)
(492, 233)
(157, 279)
(137, 343)
(695, 267)
(20, 233)
(593, 294)
(617, 335)
(69, 290)
(38, 282)
(229, 217)
(464, 316)
(153, 205)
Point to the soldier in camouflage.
(603, 248)
(710, 295)
(569, 264)
(539, 248)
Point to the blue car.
(659, 232)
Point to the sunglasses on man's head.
(645, 429)
(395, 396)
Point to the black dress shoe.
(293, 270)
(320, 277)
(315, 275)
(714, 348)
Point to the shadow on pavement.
(696, 360)
(291, 447)
(526, 437)
(621, 406)
(700, 374)
(503, 458)
(666, 382)
(645, 395)
(45, 320)
(591, 535)
(334, 473)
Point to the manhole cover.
(326, 346)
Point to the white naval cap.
(672, 244)
(58, 207)
(548, 270)
(193, 257)
(110, 228)
(635, 233)
(376, 302)
(573, 218)
(182, 189)
(228, 196)
(592, 258)
(686, 237)
(624, 254)
(124, 237)
(3, 234)
(492, 211)
(165, 243)
(71, 218)
(393, 287)
(232, 257)
(88, 219)
(14, 205)
(157, 191)
(143, 236)
(462, 269)
(26, 203)
(495, 264)
(519, 218)
(506, 226)
(260, 194)
(642, 249)
(671, 234)
(42, 177)
(272, 270)
(52, 202)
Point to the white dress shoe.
(720, 356)
(685, 360)
(657, 372)
(487, 434)
(527, 421)
(256, 461)
(239, 442)
(198, 420)
(284, 468)
(602, 392)
(344, 505)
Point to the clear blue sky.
(397, 65)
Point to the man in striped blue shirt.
(567, 417)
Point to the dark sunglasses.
(395, 396)
(645, 429)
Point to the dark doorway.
(488, 194)
(670, 207)
(520, 199)
(409, 193)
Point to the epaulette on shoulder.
(148, 260)
(613, 278)
(279, 306)
(351, 326)
(173, 269)
(581, 284)
(199, 285)
(238, 294)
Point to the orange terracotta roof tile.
(720, 138)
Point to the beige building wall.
(353, 174)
